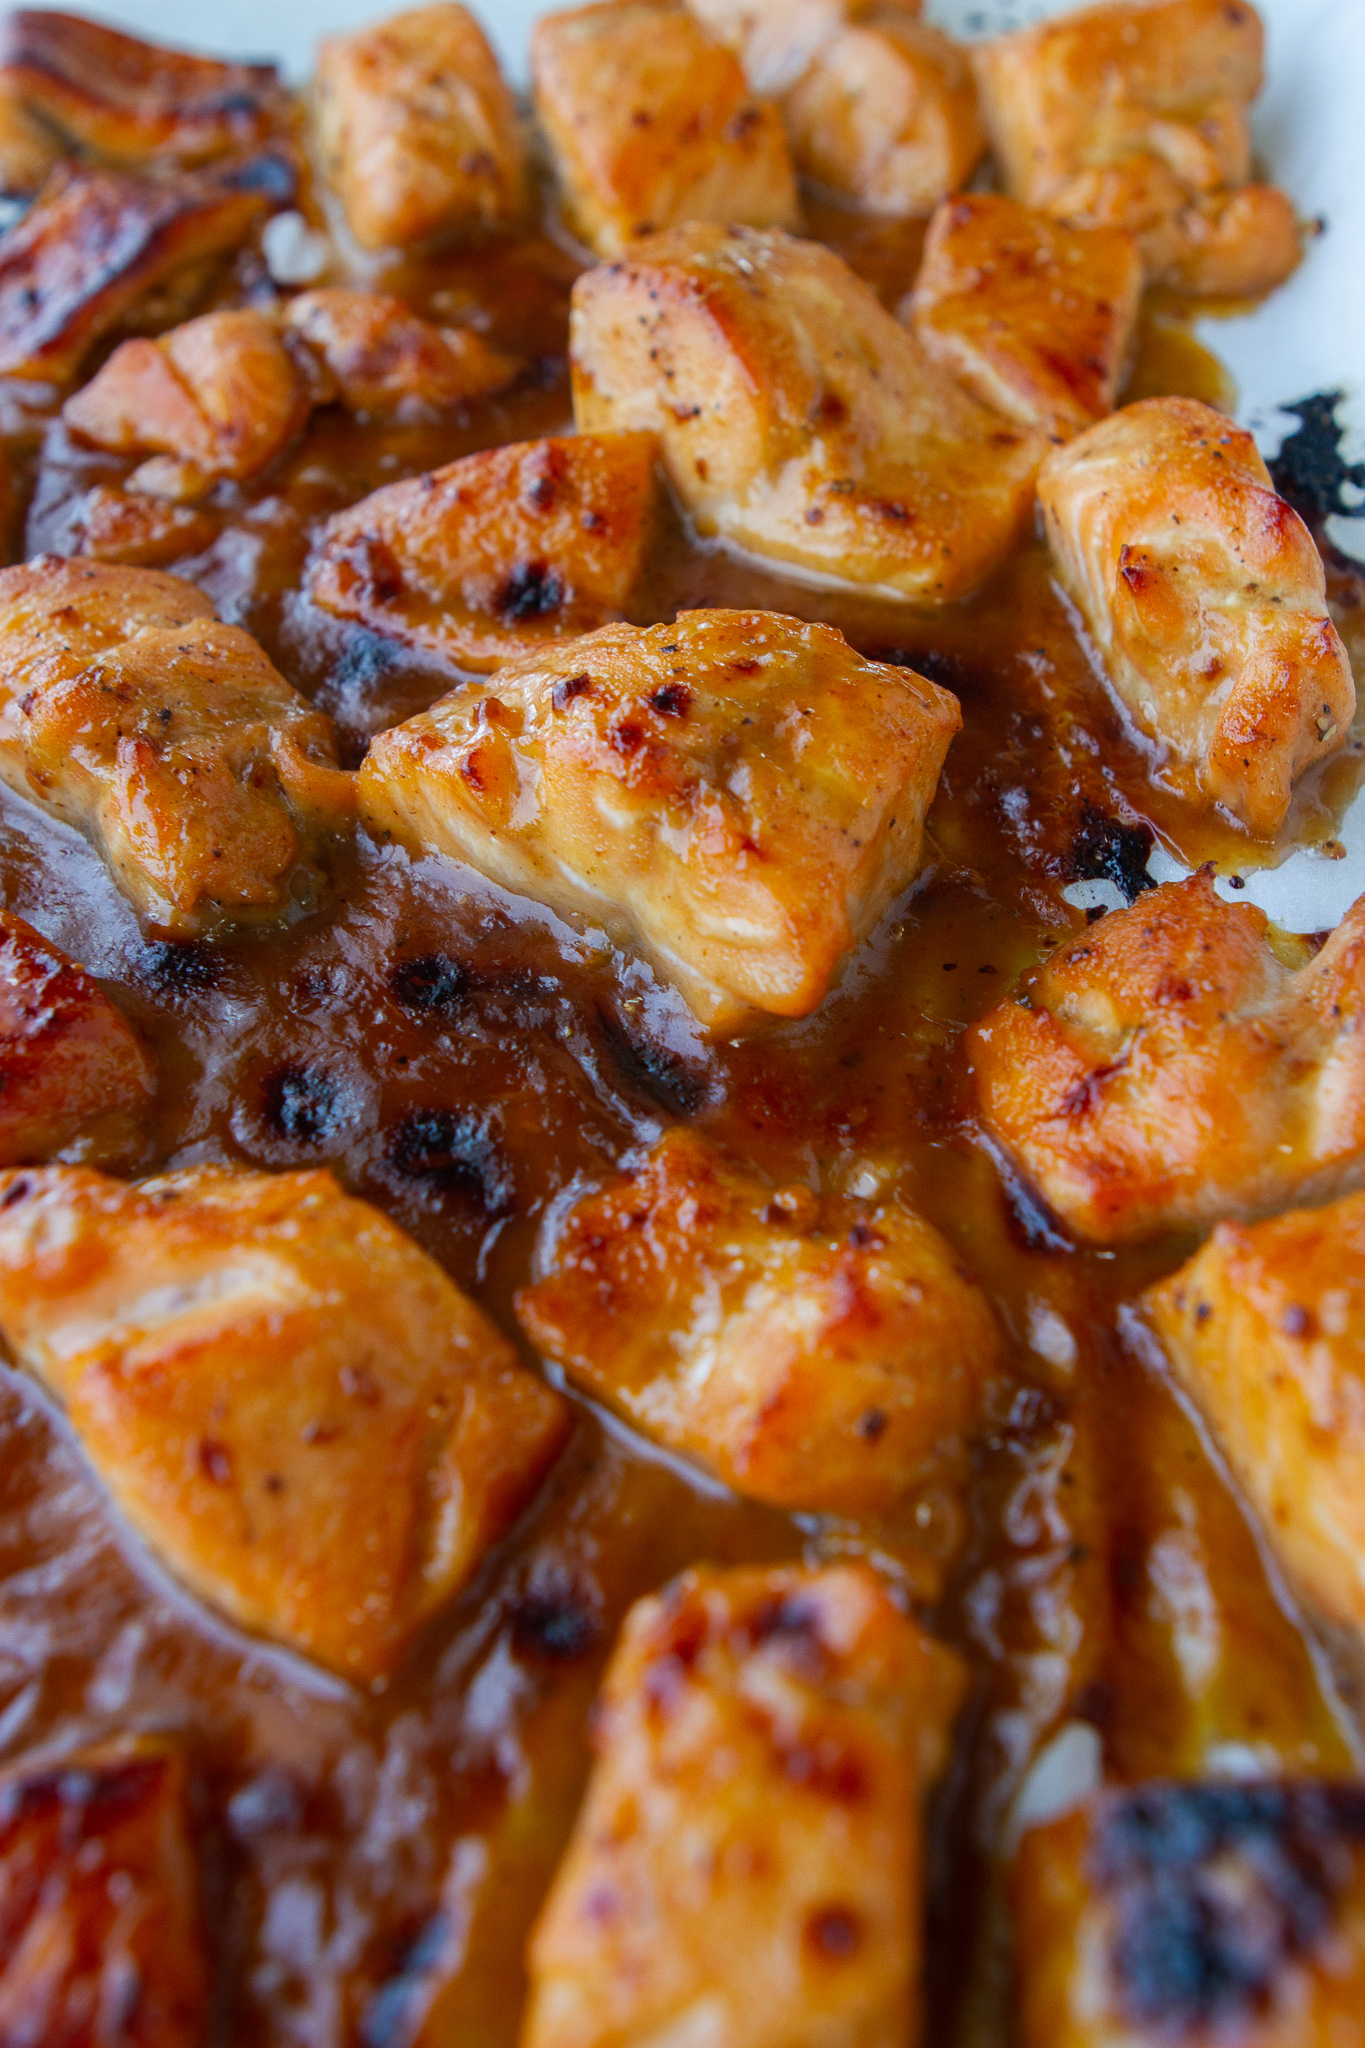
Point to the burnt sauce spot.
(555, 1617)
(454, 1153)
(363, 659)
(302, 1103)
(652, 1069)
(1216, 1889)
(432, 983)
(1310, 469)
(181, 967)
(1109, 849)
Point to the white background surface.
(1309, 337)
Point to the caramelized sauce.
(1170, 360)
(466, 1062)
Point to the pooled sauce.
(465, 1061)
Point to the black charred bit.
(301, 1103)
(533, 591)
(454, 1153)
(430, 984)
(555, 1617)
(1109, 849)
(652, 1069)
(1310, 469)
(1216, 1890)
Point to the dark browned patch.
(534, 590)
(1216, 1890)
(215, 1461)
(834, 1933)
(569, 687)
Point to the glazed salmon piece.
(382, 359)
(814, 1351)
(129, 711)
(218, 397)
(797, 418)
(102, 1936)
(75, 1077)
(1265, 1330)
(777, 40)
(1180, 1062)
(223, 395)
(747, 1869)
(878, 107)
(650, 122)
(886, 115)
(96, 242)
(1206, 598)
(1036, 319)
(498, 553)
(1133, 114)
(286, 1397)
(1180, 1915)
(418, 132)
(72, 86)
(739, 792)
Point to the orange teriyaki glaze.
(462, 1060)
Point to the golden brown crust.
(1167, 1068)
(102, 1936)
(1133, 114)
(128, 710)
(815, 1352)
(1206, 597)
(418, 131)
(485, 560)
(1265, 1328)
(651, 123)
(665, 779)
(1036, 319)
(289, 1400)
(75, 1078)
(886, 115)
(1175, 1915)
(747, 1869)
(110, 96)
(94, 242)
(796, 417)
